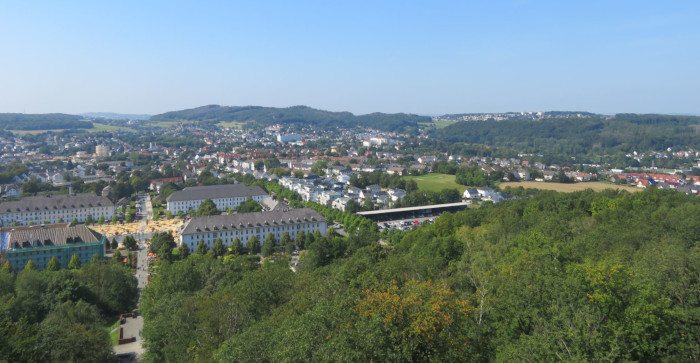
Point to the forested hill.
(266, 116)
(48, 121)
(584, 277)
(580, 136)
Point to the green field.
(435, 182)
(104, 127)
(231, 124)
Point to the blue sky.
(381, 56)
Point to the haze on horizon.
(362, 57)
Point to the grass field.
(231, 124)
(104, 127)
(435, 182)
(568, 188)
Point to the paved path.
(134, 326)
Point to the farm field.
(568, 188)
(231, 124)
(435, 182)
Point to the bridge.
(383, 215)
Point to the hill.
(48, 121)
(115, 116)
(580, 136)
(302, 115)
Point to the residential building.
(245, 225)
(56, 209)
(39, 243)
(224, 196)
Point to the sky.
(428, 58)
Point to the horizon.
(442, 58)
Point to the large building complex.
(39, 243)
(56, 209)
(245, 225)
(224, 196)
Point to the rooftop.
(45, 236)
(215, 192)
(55, 202)
(234, 222)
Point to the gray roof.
(55, 202)
(215, 191)
(234, 222)
(48, 235)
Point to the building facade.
(56, 209)
(224, 196)
(18, 245)
(244, 226)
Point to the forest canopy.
(586, 276)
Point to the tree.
(73, 222)
(130, 242)
(218, 248)
(95, 259)
(115, 219)
(53, 264)
(74, 263)
(117, 256)
(114, 244)
(236, 247)
(301, 238)
(411, 186)
(107, 244)
(184, 251)
(30, 266)
(202, 248)
(254, 245)
(249, 206)
(207, 208)
(168, 215)
(268, 247)
(163, 244)
(89, 220)
(286, 240)
(7, 267)
(129, 217)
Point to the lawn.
(113, 335)
(104, 127)
(568, 188)
(231, 124)
(435, 182)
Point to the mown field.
(568, 188)
(435, 182)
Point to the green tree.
(254, 245)
(101, 220)
(53, 264)
(130, 242)
(89, 220)
(300, 240)
(168, 215)
(249, 206)
(207, 208)
(74, 263)
(117, 257)
(184, 251)
(114, 244)
(73, 222)
(236, 247)
(202, 248)
(115, 219)
(30, 266)
(7, 267)
(218, 248)
(268, 247)
(95, 259)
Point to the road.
(134, 326)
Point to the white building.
(288, 138)
(245, 225)
(224, 196)
(102, 151)
(56, 208)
